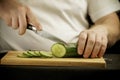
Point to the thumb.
(31, 19)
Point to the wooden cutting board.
(11, 59)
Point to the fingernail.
(39, 28)
(85, 56)
(79, 52)
(21, 32)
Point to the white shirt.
(64, 19)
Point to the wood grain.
(11, 59)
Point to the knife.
(44, 34)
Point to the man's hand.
(17, 15)
(94, 41)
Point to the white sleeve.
(100, 8)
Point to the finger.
(22, 23)
(33, 20)
(103, 46)
(15, 23)
(89, 45)
(8, 20)
(97, 46)
(82, 42)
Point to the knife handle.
(31, 27)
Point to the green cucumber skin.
(71, 52)
(71, 49)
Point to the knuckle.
(104, 46)
(9, 24)
(91, 41)
(98, 43)
(82, 38)
(82, 35)
(91, 32)
(27, 8)
(21, 8)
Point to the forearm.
(6, 1)
(111, 26)
(5, 4)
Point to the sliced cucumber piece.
(32, 53)
(46, 54)
(58, 50)
(27, 54)
(37, 53)
(23, 56)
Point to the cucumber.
(46, 54)
(23, 56)
(29, 54)
(64, 50)
(58, 50)
(32, 53)
(37, 53)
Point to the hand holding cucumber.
(93, 42)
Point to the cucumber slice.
(37, 53)
(46, 54)
(27, 54)
(64, 50)
(23, 56)
(58, 50)
(32, 53)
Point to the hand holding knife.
(31, 27)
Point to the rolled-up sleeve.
(101, 8)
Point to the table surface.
(62, 73)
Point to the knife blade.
(45, 34)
